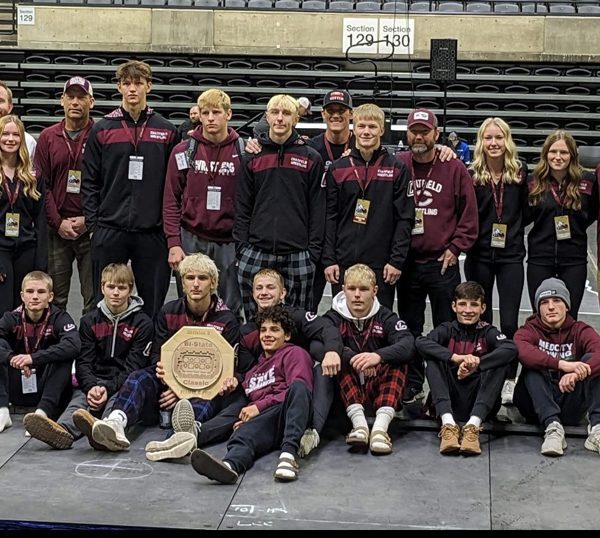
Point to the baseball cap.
(83, 83)
(552, 287)
(452, 136)
(422, 116)
(337, 97)
(303, 101)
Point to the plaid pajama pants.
(383, 390)
(296, 268)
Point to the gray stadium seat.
(287, 4)
(314, 5)
(454, 7)
(506, 8)
(591, 9)
(235, 3)
(589, 156)
(341, 5)
(72, 1)
(396, 6)
(260, 4)
(368, 6)
(420, 6)
(534, 7)
(479, 7)
(179, 3)
(152, 2)
(207, 3)
(562, 8)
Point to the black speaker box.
(443, 59)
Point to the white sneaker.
(179, 445)
(507, 392)
(183, 418)
(554, 440)
(110, 434)
(5, 421)
(308, 442)
(593, 440)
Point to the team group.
(255, 231)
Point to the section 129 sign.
(378, 36)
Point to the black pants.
(280, 426)
(318, 287)
(322, 398)
(149, 261)
(227, 413)
(418, 281)
(539, 400)
(509, 279)
(385, 292)
(15, 264)
(53, 388)
(477, 394)
(574, 277)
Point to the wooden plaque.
(196, 360)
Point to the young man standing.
(58, 163)
(123, 179)
(199, 194)
(446, 224)
(560, 381)
(279, 391)
(377, 348)
(369, 216)
(466, 365)
(143, 393)
(38, 344)
(116, 337)
(280, 208)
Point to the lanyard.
(12, 195)
(330, 151)
(361, 346)
(417, 193)
(38, 341)
(203, 153)
(130, 136)
(556, 196)
(74, 155)
(364, 183)
(498, 201)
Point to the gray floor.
(510, 486)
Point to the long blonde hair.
(542, 176)
(512, 165)
(24, 170)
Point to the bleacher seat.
(589, 9)
(562, 8)
(501, 7)
(368, 6)
(396, 6)
(287, 4)
(420, 6)
(260, 4)
(314, 5)
(235, 3)
(207, 3)
(589, 156)
(479, 7)
(533, 7)
(341, 5)
(180, 3)
(453, 7)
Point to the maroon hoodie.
(541, 347)
(185, 194)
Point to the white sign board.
(378, 36)
(26, 15)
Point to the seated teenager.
(116, 337)
(38, 344)
(466, 362)
(377, 350)
(279, 389)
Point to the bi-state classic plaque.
(196, 360)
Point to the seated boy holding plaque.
(144, 391)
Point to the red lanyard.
(498, 202)
(38, 341)
(361, 346)
(417, 193)
(74, 156)
(558, 199)
(130, 136)
(12, 196)
(203, 153)
(364, 183)
(328, 147)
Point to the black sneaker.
(205, 464)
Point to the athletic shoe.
(84, 422)
(593, 440)
(179, 445)
(554, 440)
(469, 444)
(205, 464)
(48, 431)
(508, 389)
(110, 434)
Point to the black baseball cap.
(337, 97)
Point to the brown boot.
(449, 435)
(470, 440)
(48, 431)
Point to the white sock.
(119, 416)
(356, 413)
(5, 421)
(39, 411)
(286, 455)
(447, 418)
(476, 421)
(228, 465)
(594, 429)
(383, 417)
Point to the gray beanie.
(552, 287)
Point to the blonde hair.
(38, 275)
(117, 273)
(134, 69)
(269, 273)
(286, 102)
(512, 165)
(369, 111)
(214, 98)
(542, 175)
(200, 263)
(360, 274)
(24, 170)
